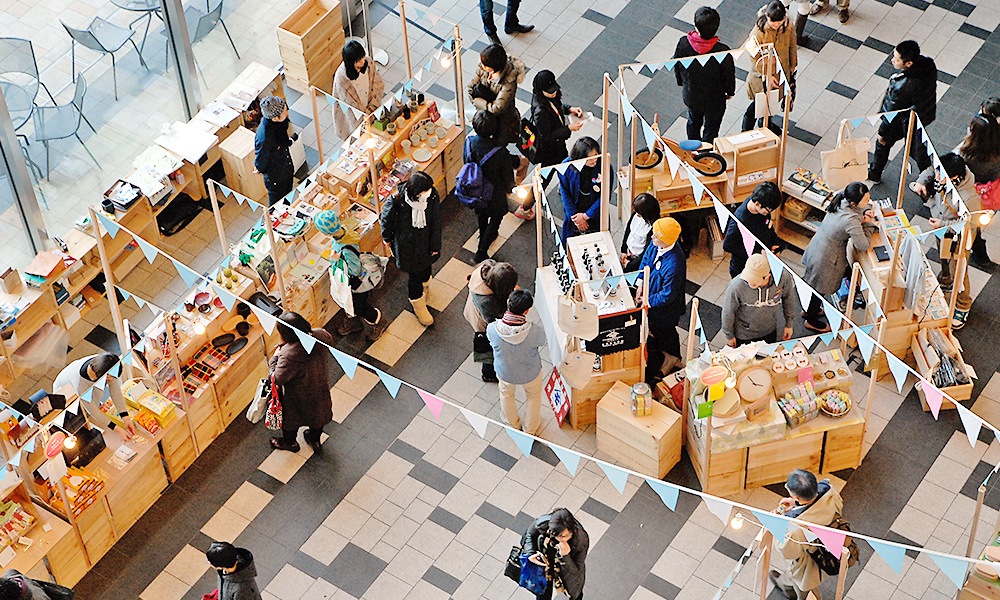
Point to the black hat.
(545, 81)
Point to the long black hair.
(289, 320)
(352, 53)
(775, 11)
(560, 520)
(854, 193)
(583, 147)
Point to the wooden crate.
(94, 525)
(68, 560)
(772, 462)
(958, 392)
(310, 41)
(130, 497)
(237, 153)
(236, 386)
(583, 403)
(204, 416)
(842, 448)
(178, 448)
(727, 472)
(650, 445)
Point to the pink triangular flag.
(434, 403)
(748, 240)
(833, 539)
(933, 396)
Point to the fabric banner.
(570, 459)
(617, 333)
(433, 403)
(391, 383)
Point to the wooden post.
(688, 353)
(109, 281)
(406, 39)
(457, 64)
(175, 364)
(319, 130)
(766, 544)
(631, 169)
(218, 217)
(870, 398)
(842, 575)
(975, 520)
(906, 159)
(784, 137)
(855, 275)
(644, 331)
(274, 254)
(883, 301)
(961, 268)
(536, 181)
(621, 132)
(604, 224)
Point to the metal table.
(148, 8)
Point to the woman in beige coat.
(358, 84)
(773, 27)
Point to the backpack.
(371, 272)
(527, 140)
(827, 562)
(471, 187)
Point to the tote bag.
(532, 576)
(272, 418)
(577, 318)
(847, 162)
(258, 406)
(577, 366)
(340, 286)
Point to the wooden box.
(237, 160)
(132, 495)
(235, 387)
(651, 444)
(204, 416)
(958, 392)
(67, 559)
(310, 41)
(842, 448)
(726, 474)
(94, 525)
(772, 462)
(178, 447)
(583, 401)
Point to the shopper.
(494, 88)
(944, 212)
(580, 188)
(15, 586)
(667, 281)
(81, 374)
(548, 115)
(490, 283)
(813, 502)
(304, 380)
(639, 230)
(358, 84)
(773, 27)
(559, 542)
(991, 108)
(913, 87)
(511, 24)
(345, 245)
(518, 361)
(237, 573)
(752, 303)
(498, 169)
(411, 224)
(842, 8)
(273, 160)
(706, 87)
(755, 215)
(847, 219)
(981, 151)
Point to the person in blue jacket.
(667, 281)
(580, 188)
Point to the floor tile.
(188, 566)
(225, 526)
(282, 465)
(165, 587)
(355, 570)
(248, 501)
(324, 545)
(290, 584)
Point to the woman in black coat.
(560, 543)
(304, 380)
(498, 170)
(411, 224)
(548, 115)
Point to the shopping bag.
(990, 194)
(213, 596)
(272, 419)
(512, 570)
(577, 366)
(846, 163)
(340, 286)
(261, 398)
(532, 576)
(577, 318)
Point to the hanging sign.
(617, 333)
(557, 392)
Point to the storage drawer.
(310, 25)
(771, 462)
(132, 496)
(206, 431)
(178, 448)
(236, 398)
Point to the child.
(518, 361)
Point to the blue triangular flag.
(899, 370)
(112, 227)
(569, 458)
(140, 345)
(29, 446)
(139, 301)
(148, 250)
(939, 232)
(775, 524)
(227, 298)
(890, 117)
(306, 339)
(16, 461)
(617, 476)
(890, 553)
(669, 65)
(776, 266)
(614, 281)
(954, 568)
(391, 383)
(789, 344)
(127, 359)
(667, 493)
(189, 276)
(856, 122)
(828, 337)
(868, 328)
(348, 363)
(686, 62)
(545, 171)
(116, 369)
(430, 63)
(627, 109)
(649, 134)
(631, 278)
(125, 293)
(524, 441)
(833, 316)
(865, 343)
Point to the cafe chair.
(62, 121)
(199, 25)
(20, 67)
(104, 37)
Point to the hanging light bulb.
(985, 217)
(446, 61)
(522, 192)
(737, 522)
(370, 143)
(199, 329)
(70, 442)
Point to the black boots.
(800, 27)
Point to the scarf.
(510, 318)
(700, 44)
(418, 214)
(549, 547)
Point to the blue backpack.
(471, 187)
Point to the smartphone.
(881, 253)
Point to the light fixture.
(370, 143)
(70, 442)
(522, 192)
(199, 329)
(737, 521)
(446, 61)
(985, 217)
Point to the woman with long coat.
(304, 380)
(358, 84)
(773, 27)
(549, 115)
(411, 224)
(580, 189)
(560, 543)
(825, 259)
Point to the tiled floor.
(401, 505)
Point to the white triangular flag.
(477, 421)
(719, 508)
(972, 423)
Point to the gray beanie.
(272, 106)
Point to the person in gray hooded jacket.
(517, 361)
(237, 573)
(752, 302)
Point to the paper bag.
(846, 163)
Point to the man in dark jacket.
(755, 215)
(914, 86)
(707, 86)
(237, 573)
(498, 170)
(667, 282)
(273, 159)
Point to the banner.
(557, 393)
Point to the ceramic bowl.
(390, 129)
(442, 133)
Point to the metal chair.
(199, 25)
(104, 37)
(19, 65)
(62, 121)
(223, 23)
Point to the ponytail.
(854, 193)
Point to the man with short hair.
(755, 216)
(518, 361)
(237, 573)
(814, 502)
(667, 281)
(706, 87)
(914, 86)
(753, 302)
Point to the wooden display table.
(976, 586)
(673, 193)
(238, 161)
(650, 445)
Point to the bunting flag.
(523, 441)
(855, 123)
(873, 120)
(865, 343)
(29, 446)
(697, 187)
(890, 553)
(140, 346)
(267, 320)
(392, 384)
(829, 336)
(899, 370)
(60, 420)
(667, 493)
(933, 397)
(631, 278)
(101, 381)
(189, 276)
(627, 108)
(545, 171)
(228, 300)
(833, 316)
(618, 477)
(805, 292)
(16, 461)
(778, 526)
(127, 359)
(972, 423)
(722, 213)
(112, 227)
(686, 62)
(142, 303)
(116, 369)
(649, 135)
(349, 364)
(749, 241)
(954, 568)
(833, 539)
(777, 267)
(433, 403)
(125, 294)
(306, 339)
(477, 421)
(719, 508)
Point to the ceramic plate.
(421, 155)
(222, 340)
(236, 346)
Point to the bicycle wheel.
(709, 163)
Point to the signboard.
(617, 333)
(557, 392)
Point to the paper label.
(805, 375)
(56, 468)
(7, 556)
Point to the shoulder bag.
(577, 365)
(847, 162)
(577, 317)
(533, 576)
(990, 194)
(272, 418)
(261, 398)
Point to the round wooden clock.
(754, 383)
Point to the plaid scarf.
(510, 318)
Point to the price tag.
(7, 556)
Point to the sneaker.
(819, 327)
(959, 318)
(844, 15)
(374, 331)
(277, 444)
(816, 8)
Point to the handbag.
(512, 570)
(847, 162)
(54, 591)
(213, 596)
(990, 194)
(527, 140)
(577, 365)
(272, 419)
(532, 576)
(577, 318)
(258, 406)
(340, 285)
